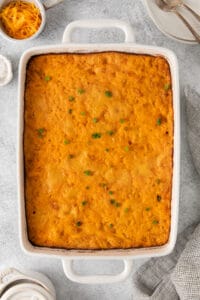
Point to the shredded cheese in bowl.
(20, 19)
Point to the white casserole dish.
(127, 255)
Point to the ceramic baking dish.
(128, 255)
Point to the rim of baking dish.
(131, 48)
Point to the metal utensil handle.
(99, 23)
(50, 3)
(96, 279)
(189, 26)
(197, 16)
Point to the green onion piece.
(117, 204)
(84, 202)
(126, 148)
(95, 120)
(112, 201)
(155, 222)
(47, 78)
(83, 113)
(111, 192)
(159, 121)
(108, 94)
(66, 142)
(122, 121)
(79, 223)
(96, 135)
(147, 208)
(110, 132)
(126, 210)
(88, 173)
(81, 91)
(158, 198)
(111, 225)
(40, 132)
(70, 111)
(71, 98)
(167, 86)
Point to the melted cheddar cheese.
(98, 148)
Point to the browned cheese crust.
(98, 149)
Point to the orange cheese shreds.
(98, 150)
(20, 19)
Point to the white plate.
(171, 25)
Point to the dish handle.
(99, 23)
(96, 279)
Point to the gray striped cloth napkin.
(177, 276)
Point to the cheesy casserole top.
(98, 149)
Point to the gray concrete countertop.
(58, 17)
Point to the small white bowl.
(41, 7)
(5, 71)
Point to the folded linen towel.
(177, 276)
